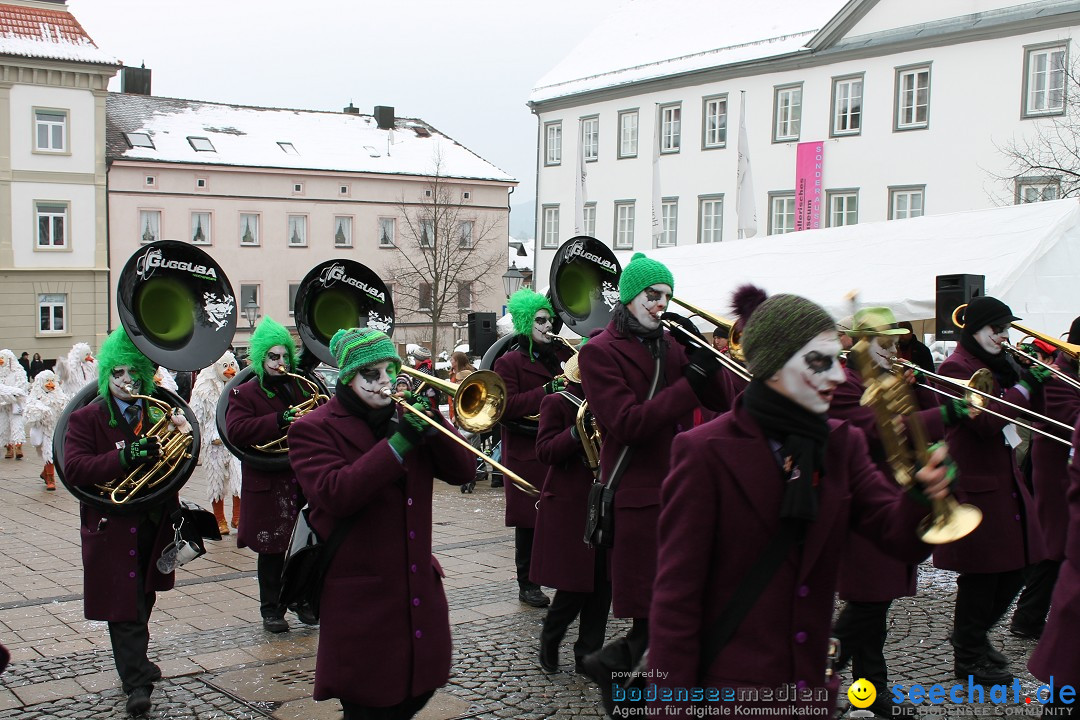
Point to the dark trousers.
(1034, 602)
(981, 600)
(862, 629)
(130, 640)
(269, 570)
(592, 607)
(523, 544)
(402, 711)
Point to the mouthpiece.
(386, 392)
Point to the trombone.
(729, 362)
(479, 399)
(1021, 355)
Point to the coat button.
(800, 637)
(134, 530)
(1014, 494)
(1016, 517)
(419, 634)
(412, 534)
(803, 591)
(412, 568)
(131, 574)
(801, 685)
(416, 602)
(410, 502)
(131, 553)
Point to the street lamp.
(251, 312)
(512, 279)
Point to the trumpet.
(281, 445)
(520, 482)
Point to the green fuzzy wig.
(117, 351)
(523, 306)
(267, 335)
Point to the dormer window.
(201, 144)
(139, 140)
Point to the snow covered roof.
(648, 39)
(36, 32)
(143, 127)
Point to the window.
(298, 188)
(624, 225)
(628, 133)
(466, 195)
(201, 144)
(52, 309)
(294, 288)
(714, 122)
(787, 113)
(427, 233)
(297, 232)
(551, 226)
(1044, 80)
(588, 215)
(51, 224)
(590, 138)
(200, 183)
(906, 202)
(913, 98)
(149, 225)
(781, 213)
(200, 228)
(249, 295)
(670, 128)
(343, 190)
(669, 223)
(465, 234)
(843, 207)
(288, 148)
(425, 296)
(139, 140)
(50, 130)
(387, 232)
(464, 295)
(249, 228)
(847, 106)
(1037, 189)
(342, 231)
(151, 181)
(710, 219)
(553, 143)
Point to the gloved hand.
(939, 458)
(953, 410)
(145, 449)
(1035, 377)
(410, 432)
(287, 417)
(703, 363)
(683, 338)
(557, 384)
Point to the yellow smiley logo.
(862, 693)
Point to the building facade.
(53, 242)
(904, 107)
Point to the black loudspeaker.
(482, 334)
(952, 291)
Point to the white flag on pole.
(580, 195)
(657, 202)
(745, 209)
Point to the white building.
(905, 105)
(53, 249)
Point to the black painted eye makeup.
(369, 375)
(818, 362)
(273, 356)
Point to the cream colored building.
(53, 243)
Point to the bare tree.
(448, 252)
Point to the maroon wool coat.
(721, 505)
(560, 557)
(271, 497)
(111, 563)
(1056, 653)
(525, 380)
(385, 624)
(616, 371)
(1008, 537)
(1049, 462)
(866, 573)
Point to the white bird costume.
(165, 378)
(222, 467)
(77, 370)
(14, 387)
(43, 409)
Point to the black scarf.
(1001, 365)
(802, 436)
(378, 419)
(544, 352)
(627, 324)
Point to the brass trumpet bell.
(479, 399)
(949, 521)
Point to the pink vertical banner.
(809, 161)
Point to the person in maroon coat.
(531, 370)
(261, 411)
(119, 551)
(990, 561)
(1050, 481)
(772, 473)
(618, 366)
(560, 559)
(384, 644)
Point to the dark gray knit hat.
(778, 328)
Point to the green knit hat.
(358, 347)
(640, 273)
(778, 328)
(117, 351)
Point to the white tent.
(1030, 255)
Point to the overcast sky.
(464, 66)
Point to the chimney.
(351, 109)
(384, 116)
(135, 80)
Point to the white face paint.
(649, 304)
(990, 338)
(277, 361)
(882, 350)
(542, 323)
(370, 380)
(122, 383)
(811, 374)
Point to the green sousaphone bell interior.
(334, 309)
(166, 311)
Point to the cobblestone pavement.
(218, 663)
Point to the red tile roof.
(40, 32)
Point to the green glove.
(1035, 377)
(953, 411)
(145, 449)
(951, 473)
(557, 384)
(287, 417)
(410, 432)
